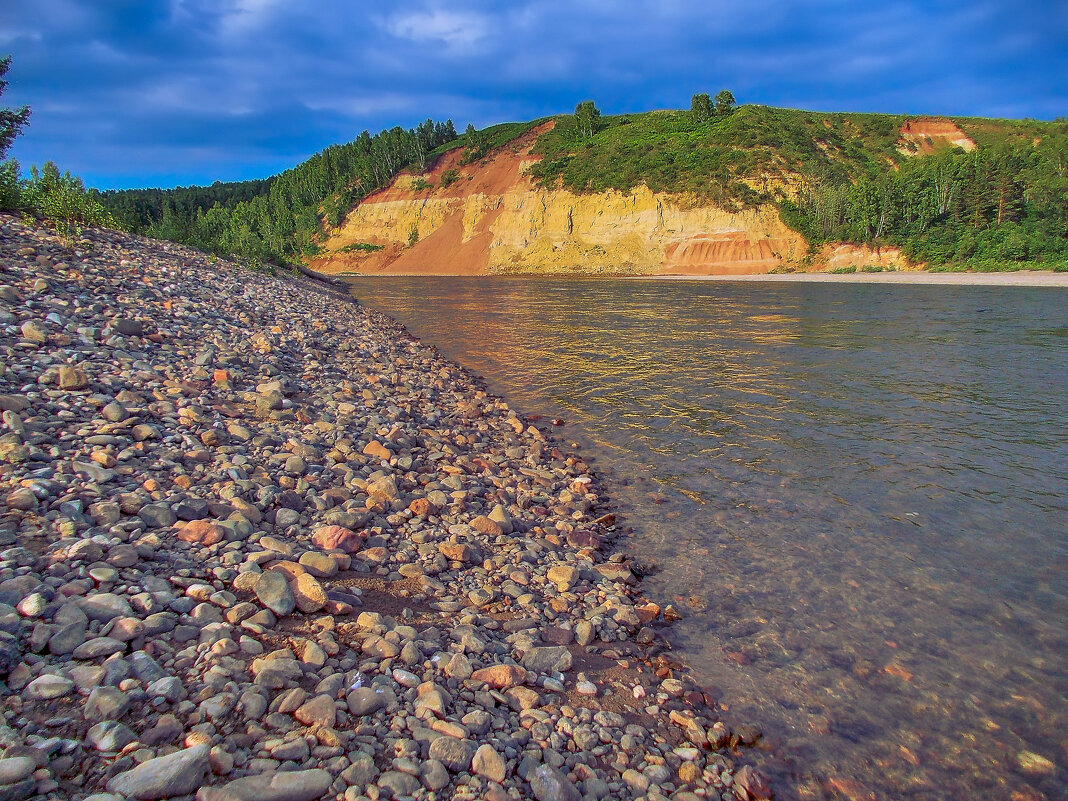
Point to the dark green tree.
(701, 107)
(12, 120)
(475, 144)
(586, 117)
(725, 102)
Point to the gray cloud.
(183, 91)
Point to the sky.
(135, 93)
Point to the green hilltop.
(877, 179)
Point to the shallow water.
(857, 494)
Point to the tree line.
(996, 203)
(280, 218)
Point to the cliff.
(494, 219)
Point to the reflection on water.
(861, 493)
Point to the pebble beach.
(259, 543)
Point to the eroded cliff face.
(493, 219)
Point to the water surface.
(858, 494)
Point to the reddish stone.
(336, 538)
(421, 507)
(455, 551)
(500, 677)
(486, 526)
(754, 785)
(583, 539)
(648, 613)
(205, 532)
(376, 556)
(377, 450)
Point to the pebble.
(166, 776)
(256, 542)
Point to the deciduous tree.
(724, 102)
(586, 117)
(701, 107)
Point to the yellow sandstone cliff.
(493, 219)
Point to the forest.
(834, 177)
(997, 206)
(278, 219)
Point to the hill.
(755, 189)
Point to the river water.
(857, 495)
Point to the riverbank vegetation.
(1000, 206)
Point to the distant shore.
(919, 277)
(1017, 278)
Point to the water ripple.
(861, 493)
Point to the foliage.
(360, 247)
(283, 217)
(1004, 202)
(586, 118)
(734, 160)
(60, 199)
(413, 234)
(419, 184)
(474, 145)
(487, 139)
(10, 189)
(12, 120)
(725, 103)
(701, 108)
(449, 177)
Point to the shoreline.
(1030, 278)
(1021, 278)
(260, 543)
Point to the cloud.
(127, 93)
(456, 29)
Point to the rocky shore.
(258, 543)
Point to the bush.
(60, 199)
(449, 177)
(10, 192)
(360, 247)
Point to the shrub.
(60, 199)
(10, 192)
(449, 177)
(360, 247)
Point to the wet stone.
(549, 784)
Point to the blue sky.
(177, 92)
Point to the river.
(857, 495)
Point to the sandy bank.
(1020, 278)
